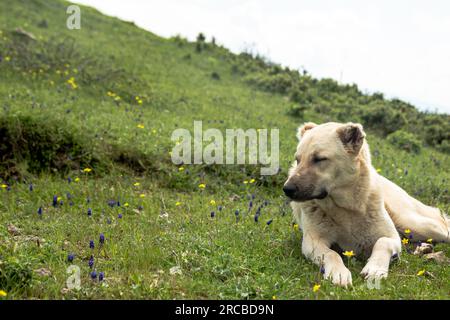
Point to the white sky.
(400, 48)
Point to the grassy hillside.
(107, 98)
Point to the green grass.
(220, 257)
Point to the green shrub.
(32, 144)
(383, 118)
(280, 83)
(405, 141)
(297, 110)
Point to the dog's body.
(340, 199)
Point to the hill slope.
(107, 98)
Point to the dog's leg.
(377, 266)
(423, 228)
(320, 253)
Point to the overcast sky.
(400, 48)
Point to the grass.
(166, 221)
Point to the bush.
(405, 141)
(280, 83)
(32, 145)
(383, 118)
(297, 110)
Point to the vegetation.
(86, 118)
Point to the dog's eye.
(318, 159)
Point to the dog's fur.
(340, 199)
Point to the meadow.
(87, 179)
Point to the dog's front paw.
(339, 275)
(374, 271)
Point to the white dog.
(340, 199)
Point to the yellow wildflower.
(140, 126)
(421, 272)
(252, 180)
(274, 298)
(405, 241)
(180, 168)
(77, 179)
(212, 202)
(3, 293)
(4, 186)
(72, 83)
(87, 170)
(126, 204)
(316, 287)
(295, 227)
(430, 240)
(348, 254)
(178, 203)
(142, 195)
(378, 170)
(202, 186)
(245, 181)
(136, 184)
(407, 231)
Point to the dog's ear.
(352, 136)
(305, 127)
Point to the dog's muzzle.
(292, 192)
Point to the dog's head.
(327, 158)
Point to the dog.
(339, 199)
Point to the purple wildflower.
(91, 261)
(111, 203)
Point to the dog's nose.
(289, 190)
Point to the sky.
(400, 48)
